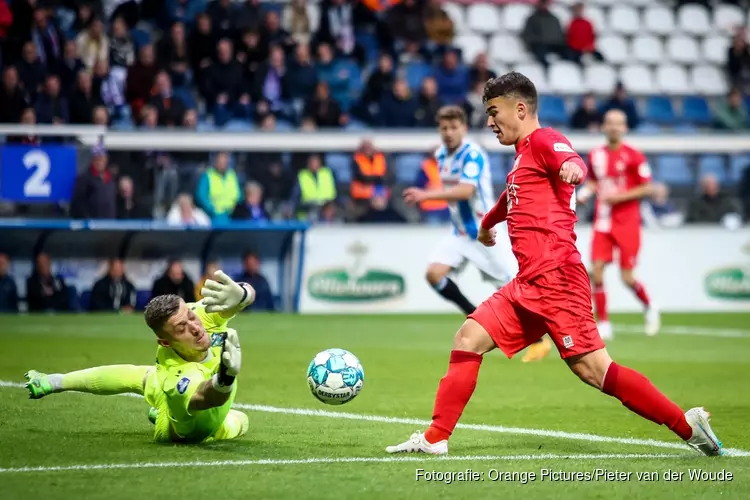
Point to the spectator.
(337, 29)
(621, 101)
(128, 206)
(323, 109)
(6, 23)
(412, 53)
(329, 214)
(277, 185)
(184, 213)
(251, 274)
(302, 75)
(51, 107)
(429, 104)
(211, 267)
(380, 211)
(738, 59)
(121, 48)
(184, 11)
(31, 71)
(406, 21)
(84, 16)
(174, 281)
(370, 174)
(140, 79)
(160, 167)
(315, 187)
(47, 39)
(380, 81)
(335, 73)
(173, 55)
(100, 116)
(70, 66)
(201, 46)
(83, 100)
(432, 211)
(250, 53)
(438, 25)
(93, 44)
(190, 163)
(474, 106)
(581, 36)
(661, 211)
(272, 81)
(218, 189)
(543, 34)
(711, 205)
(452, 79)
(398, 108)
(28, 117)
(13, 99)
(114, 292)
(296, 20)
(586, 116)
(94, 195)
(298, 160)
(169, 107)
(248, 16)
(8, 290)
(251, 208)
(44, 290)
(480, 71)
(221, 14)
(732, 114)
(111, 87)
(225, 86)
(272, 33)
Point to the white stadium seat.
(471, 46)
(715, 49)
(483, 18)
(637, 79)
(648, 49)
(515, 15)
(693, 19)
(624, 19)
(562, 12)
(596, 16)
(683, 49)
(507, 49)
(536, 73)
(565, 77)
(640, 3)
(567, 3)
(659, 20)
(614, 49)
(727, 18)
(599, 78)
(708, 80)
(672, 79)
(606, 3)
(457, 13)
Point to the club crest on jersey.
(512, 188)
(516, 163)
(182, 385)
(561, 147)
(568, 341)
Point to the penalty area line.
(338, 460)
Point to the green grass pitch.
(293, 452)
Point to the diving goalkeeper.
(192, 386)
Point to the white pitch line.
(340, 460)
(700, 331)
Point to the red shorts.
(628, 243)
(557, 302)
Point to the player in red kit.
(620, 176)
(551, 292)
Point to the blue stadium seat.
(647, 128)
(685, 128)
(659, 110)
(205, 126)
(407, 167)
(737, 165)
(552, 110)
(236, 125)
(416, 72)
(284, 126)
(673, 169)
(497, 168)
(369, 43)
(356, 125)
(713, 164)
(341, 165)
(123, 124)
(695, 110)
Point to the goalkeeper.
(192, 386)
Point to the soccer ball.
(335, 376)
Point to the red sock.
(640, 292)
(640, 396)
(600, 303)
(453, 393)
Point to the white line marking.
(701, 331)
(344, 460)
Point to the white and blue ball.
(335, 376)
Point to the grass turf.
(404, 357)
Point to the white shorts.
(496, 264)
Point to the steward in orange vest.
(370, 171)
(431, 182)
(380, 5)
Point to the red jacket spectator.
(6, 19)
(581, 36)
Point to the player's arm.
(559, 157)
(461, 191)
(224, 297)
(216, 391)
(496, 215)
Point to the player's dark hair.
(159, 310)
(514, 85)
(451, 113)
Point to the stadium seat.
(123, 124)
(369, 43)
(693, 20)
(552, 110)
(659, 110)
(614, 48)
(341, 166)
(606, 3)
(599, 78)
(659, 20)
(648, 49)
(284, 126)
(637, 79)
(672, 79)
(497, 167)
(695, 110)
(648, 128)
(683, 49)
(624, 19)
(515, 15)
(415, 72)
(205, 126)
(507, 49)
(407, 166)
(685, 128)
(727, 17)
(471, 46)
(565, 77)
(356, 126)
(482, 18)
(563, 13)
(708, 80)
(714, 49)
(714, 165)
(140, 37)
(536, 73)
(457, 13)
(640, 3)
(598, 19)
(737, 166)
(673, 169)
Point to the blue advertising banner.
(34, 174)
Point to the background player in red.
(620, 176)
(551, 292)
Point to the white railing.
(324, 141)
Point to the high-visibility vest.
(223, 190)
(316, 191)
(375, 167)
(434, 183)
(380, 5)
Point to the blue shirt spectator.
(621, 101)
(335, 73)
(8, 290)
(263, 296)
(398, 108)
(251, 208)
(184, 11)
(302, 74)
(452, 79)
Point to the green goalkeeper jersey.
(171, 385)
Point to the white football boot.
(605, 330)
(703, 439)
(653, 320)
(418, 444)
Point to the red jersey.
(616, 171)
(540, 206)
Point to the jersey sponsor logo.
(471, 169)
(567, 341)
(561, 147)
(182, 385)
(217, 339)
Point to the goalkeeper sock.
(449, 290)
(640, 396)
(600, 303)
(104, 380)
(453, 394)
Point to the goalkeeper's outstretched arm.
(224, 297)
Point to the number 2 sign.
(37, 173)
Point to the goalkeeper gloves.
(231, 362)
(222, 293)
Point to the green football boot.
(153, 413)
(38, 384)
